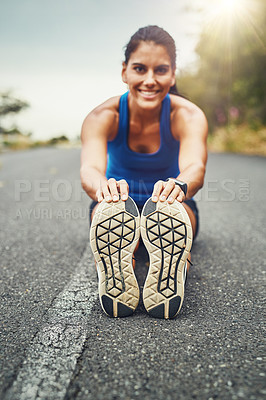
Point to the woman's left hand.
(167, 191)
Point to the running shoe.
(113, 237)
(167, 235)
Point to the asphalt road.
(55, 341)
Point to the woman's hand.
(110, 190)
(167, 191)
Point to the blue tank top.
(142, 170)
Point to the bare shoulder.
(185, 116)
(110, 106)
(103, 119)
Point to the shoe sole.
(114, 235)
(167, 235)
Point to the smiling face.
(149, 74)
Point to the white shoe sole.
(167, 235)
(113, 237)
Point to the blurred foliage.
(229, 83)
(22, 142)
(238, 139)
(58, 139)
(10, 105)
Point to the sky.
(64, 57)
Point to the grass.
(238, 139)
(22, 142)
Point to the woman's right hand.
(111, 189)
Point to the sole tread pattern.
(113, 237)
(167, 235)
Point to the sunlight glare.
(230, 5)
(217, 10)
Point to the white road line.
(52, 356)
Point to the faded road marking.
(51, 358)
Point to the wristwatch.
(182, 185)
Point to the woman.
(144, 153)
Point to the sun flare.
(226, 11)
(226, 8)
(226, 22)
(230, 5)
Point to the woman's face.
(149, 74)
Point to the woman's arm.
(95, 132)
(189, 126)
(193, 132)
(100, 126)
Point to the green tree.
(10, 105)
(230, 81)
